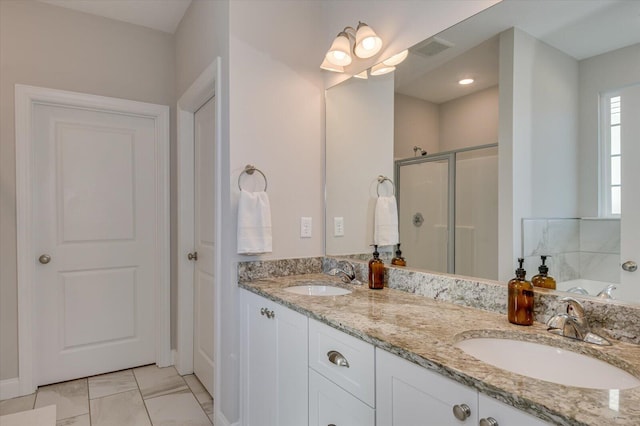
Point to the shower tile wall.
(579, 248)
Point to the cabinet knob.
(338, 359)
(461, 411)
(489, 421)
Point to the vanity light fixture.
(397, 58)
(382, 68)
(363, 75)
(466, 81)
(326, 65)
(366, 44)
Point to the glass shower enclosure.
(448, 211)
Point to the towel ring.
(381, 180)
(249, 169)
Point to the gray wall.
(49, 46)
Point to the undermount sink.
(548, 363)
(317, 290)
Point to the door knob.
(193, 256)
(44, 259)
(630, 266)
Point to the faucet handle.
(574, 307)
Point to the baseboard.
(9, 388)
(174, 356)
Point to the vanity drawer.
(329, 348)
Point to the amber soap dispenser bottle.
(376, 271)
(520, 299)
(543, 279)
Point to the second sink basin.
(317, 290)
(548, 363)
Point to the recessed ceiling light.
(465, 81)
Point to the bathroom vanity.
(403, 365)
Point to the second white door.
(203, 324)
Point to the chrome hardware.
(489, 421)
(461, 411)
(265, 312)
(630, 266)
(193, 256)
(346, 271)
(578, 290)
(574, 324)
(607, 292)
(417, 220)
(336, 358)
(44, 259)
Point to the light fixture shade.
(382, 68)
(362, 75)
(326, 65)
(397, 58)
(340, 51)
(367, 42)
(466, 81)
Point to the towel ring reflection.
(381, 180)
(249, 169)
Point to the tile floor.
(144, 396)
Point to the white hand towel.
(386, 222)
(254, 223)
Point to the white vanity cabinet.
(274, 363)
(341, 378)
(409, 395)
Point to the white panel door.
(203, 325)
(94, 216)
(630, 216)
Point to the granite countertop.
(424, 331)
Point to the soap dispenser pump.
(398, 260)
(520, 299)
(543, 279)
(376, 271)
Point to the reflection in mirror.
(550, 69)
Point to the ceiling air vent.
(431, 46)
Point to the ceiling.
(161, 15)
(580, 28)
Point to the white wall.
(360, 149)
(598, 75)
(416, 123)
(49, 46)
(537, 138)
(471, 120)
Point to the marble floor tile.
(207, 406)
(176, 409)
(82, 420)
(197, 388)
(15, 405)
(71, 398)
(154, 381)
(112, 383)
(125, 408)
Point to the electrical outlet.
(305, 227)
(338, 226)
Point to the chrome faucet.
(607, 292)
(346, 271)
(574, 324)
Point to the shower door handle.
(630, 266)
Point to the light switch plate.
(338, 226)
(305, 227)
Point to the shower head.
(417, 149)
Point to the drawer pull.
(337, 358)
(461, 411)
(489, 421)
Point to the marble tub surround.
(424, 331)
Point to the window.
(611, 177)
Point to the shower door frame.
(451, 158)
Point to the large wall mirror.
(532, 158)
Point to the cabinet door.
(330, 405)
(274, 363)
(410, 395)
(506, 415)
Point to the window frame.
(605, 181)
